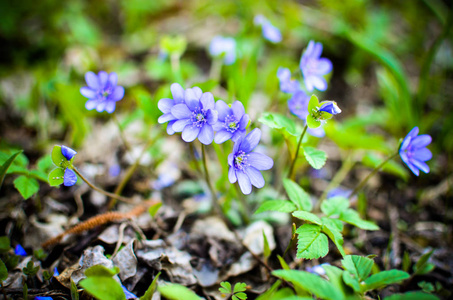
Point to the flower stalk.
(293, 164)
(215, 202)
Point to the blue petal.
(181, 111)
(191, 100)
(244, 182)
(165, 105)
(128, 294)
(207, 100)
(423, 154)
(103, 78)
(255, 177)
(165, 118)
(222, 136)
(67, 152)
(177, 92)
(88, 92)
(223, 110)
(113, 79)
(206, 135)
(421, 141)
(232, 175)
(190, 133)
(19, 250)
(70, 178)
(251, 140)
(110, 106)
(179, 125)
(43, 298)
(421, 165)
(118, 94)
(211, 116)
(92, 80)
(260, 161)
(91, 104)
(238, 109)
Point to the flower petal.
(165, 118)
(421, 165)
(177, 92)
(191, 99)
(69, 178)
(243, 122)
(255, 177)
(324, 66)
(423, 154)
(170, 129)
(318, 82)
(207, 100)
(421, 141)
(222, 136)
(260, 161)
(251, 140)
(110, 106)
(165, 105)
(101, 106)
(90, 104)
(317, 50)
(92, 80)
(413, 133)
(190, 133)
(113, 79)
(198, 92)
(118, 94)
(223, 110)
(232, 175)
(181, 111)
(88, 92)
(244, 182)
(211, 116)
(179, 125)
(238, 109)
(67, 152)
(103, 78)
(206, 135)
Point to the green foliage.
(5, 244)
(391, 167)
(151, 289)
(267, 250)
(352, 217)
(30, 269)
(74, 292)
(412, 296)
(175, 291)
(311, 242)
(384, 278)
(276, 205)
(285, 125)
(3, 271)
(5, 166)
(56, 177)
(154, 208)
(334, 206)
(237, 293)
(26, 186)
(103, 287)
(316, 158)
(423, 266)
(297, 195)
(307, 216)
(173, 45)
(101, 271)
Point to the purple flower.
(298, 104)
(313, 67)
(19, 250)
(270, 32)
(318, 269)
(231, 122)
(69, 178)
(195, 116)
(223, 46)
(102, 91)
(414, 153)
(128, 294)
(166, 104)
(286, 84)
(330, 107)
(43, 298)
(245, 165)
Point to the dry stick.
(121, 198)
(361, 184)
(293, 164)
(100, 220)
(130, 171)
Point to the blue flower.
(102, 91)
(195, 116)
(128, 294)
(414, 153)
(298, 104)
(313, 67)
(231, 122)
(69, 178)
(270, 32)
(19, 250)
(166, 104)
(286, 84)
(223, 46)
(318, 269)
(330, 107)
(43, 298)
(245, 165)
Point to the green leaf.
(418, 295)
(57, 156)
(3, 271)
(267, 250)
(313, 104)
(240, 287)
(276, 205)
(5, 166)
(384, 278)
(422, 266)
(358, 265)
(26, 186)
(279, 122)
(297, 195)
(335, 276)
(312, 123)
(74, 292)
(307, 216)
(352, 281)
(283, 263)
(175, 291)
(56, 177)
(241, 296)
(311, 283)
(225, 287)
(151, 289)
(101, 271)
(335, 235)
(311, 242)
(5, 244)
(316, 158)
(334, 205)
(352, 217)
(101, 287)
(154, 208)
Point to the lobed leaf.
(56, 177)
(316, 158)
(3, 271)
(384, 278)
(334, 234)
(334, 206)
(26, 186)
(307, 216)
(5, 166)
(297, 195)
(276, 205)
(358, 265)
(311, 242)
(352, 217)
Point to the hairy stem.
(364, 181)
(293, 164)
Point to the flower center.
(198, 117)
(240, 160)
(231, 123)
(105, 92)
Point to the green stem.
(364, 181)
(124, 199)
(208, 181)
(123, 138)
(216, 68)
(293, 164)
(244, 211)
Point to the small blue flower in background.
(231, 122)
(195, 116)
(286, 84)
(270, 32)
(43, 298)
(223, 45)
(166, 104)
(245, 165)
(330, 107)
(414, 153)
(70, 178)
(102, 91)
(339, 192)
(318, 270)
(313, 67)
(298, 104)
(128, 294)
(19, 250)
(55, 272)
(115, 170)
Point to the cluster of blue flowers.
(196, 115)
